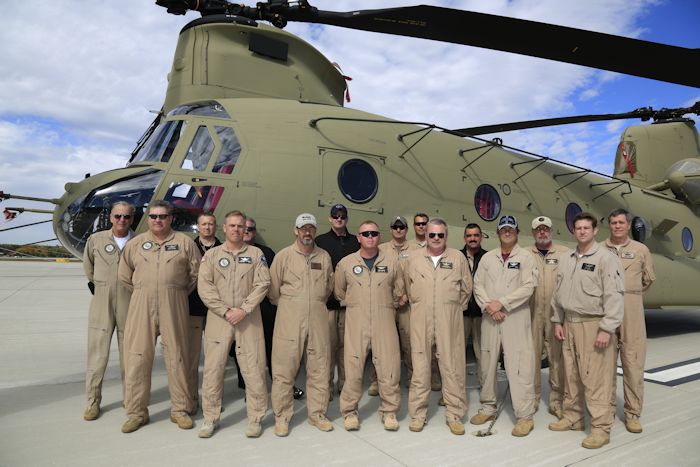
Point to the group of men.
(341, 298)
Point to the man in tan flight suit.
(233, 280)
(109, 306)
(160, 266)
(398, 247)
(420, 226)
(370, 285)
(547, 255)
(589, 300)
(632, 333)
(301, 280)
(438, 285)
(503, 285)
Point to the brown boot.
(184, 422)
(133, 424)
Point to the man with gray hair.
(110, 303)
(438, 285)
(160, 266)
(632, 333)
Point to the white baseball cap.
(305, 219)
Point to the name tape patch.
(513, 265)
(245, 260)
(445, 265)
(551, 261)
(381, 269)
(627, 255)
(588, 267)
(316, 265)
(172, 247)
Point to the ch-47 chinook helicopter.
(253, 119)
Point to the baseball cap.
(305, 219)
(337, 208)
(541, 220)
(398, 220)
(507, 221)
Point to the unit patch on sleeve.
(588, 267)
(513, 265)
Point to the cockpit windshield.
(90, 213)
(160, 145)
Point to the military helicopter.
(253, 119)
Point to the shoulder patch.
(263, 260)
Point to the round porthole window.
(687, 239)
(639, 229)
(358, 181)
(487, 202)
(572, 210)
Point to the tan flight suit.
(403, 313)
(161, 275)
(511, 282)
(228, 281)
(632, 333)
(588, 297)
(300, 286)
(370, 298)
(437, 296)
(108, 309)
(543, 329)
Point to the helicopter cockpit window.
(230, 150)
(200, 151)
(572, 209)
(191, 201)
(201, 109)
(487, 202)
(90, 213)
(687, 239)
(639, 229)
(161, 143)
(358, 181)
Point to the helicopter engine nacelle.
(684, 180)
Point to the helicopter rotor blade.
(636, 57)
(644, 113)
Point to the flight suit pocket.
(592, 293)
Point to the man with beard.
(547, 255)
(472, 315)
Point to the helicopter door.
(352, 179)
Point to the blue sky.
(78, 83)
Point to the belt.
(577, 318)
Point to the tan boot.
(184, 422)
(390, 422)
(416, 425)
(373, 389)
(254, 430)
(523, 427)
(92, 412)
(134, 423)
(456, 427)
(564, 425)
(281, 428)
(633, 425)
(322, 423)
(480, 418)
(351, 423)
(596, 440)
(207, 430)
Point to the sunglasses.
(398, 227)
(420, 224)
(436, 234)
(122, 216)
(250, 229)
(369, 233)
(159, 216)
(339, 218)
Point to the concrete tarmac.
(43, 311)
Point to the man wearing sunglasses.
(369, 284)
(301, 280)
(399, 247)
(547, 255)
(420, 225)
(110, 303)
(160, 266)
(503, 286)
(339, 243)
(438, 285)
